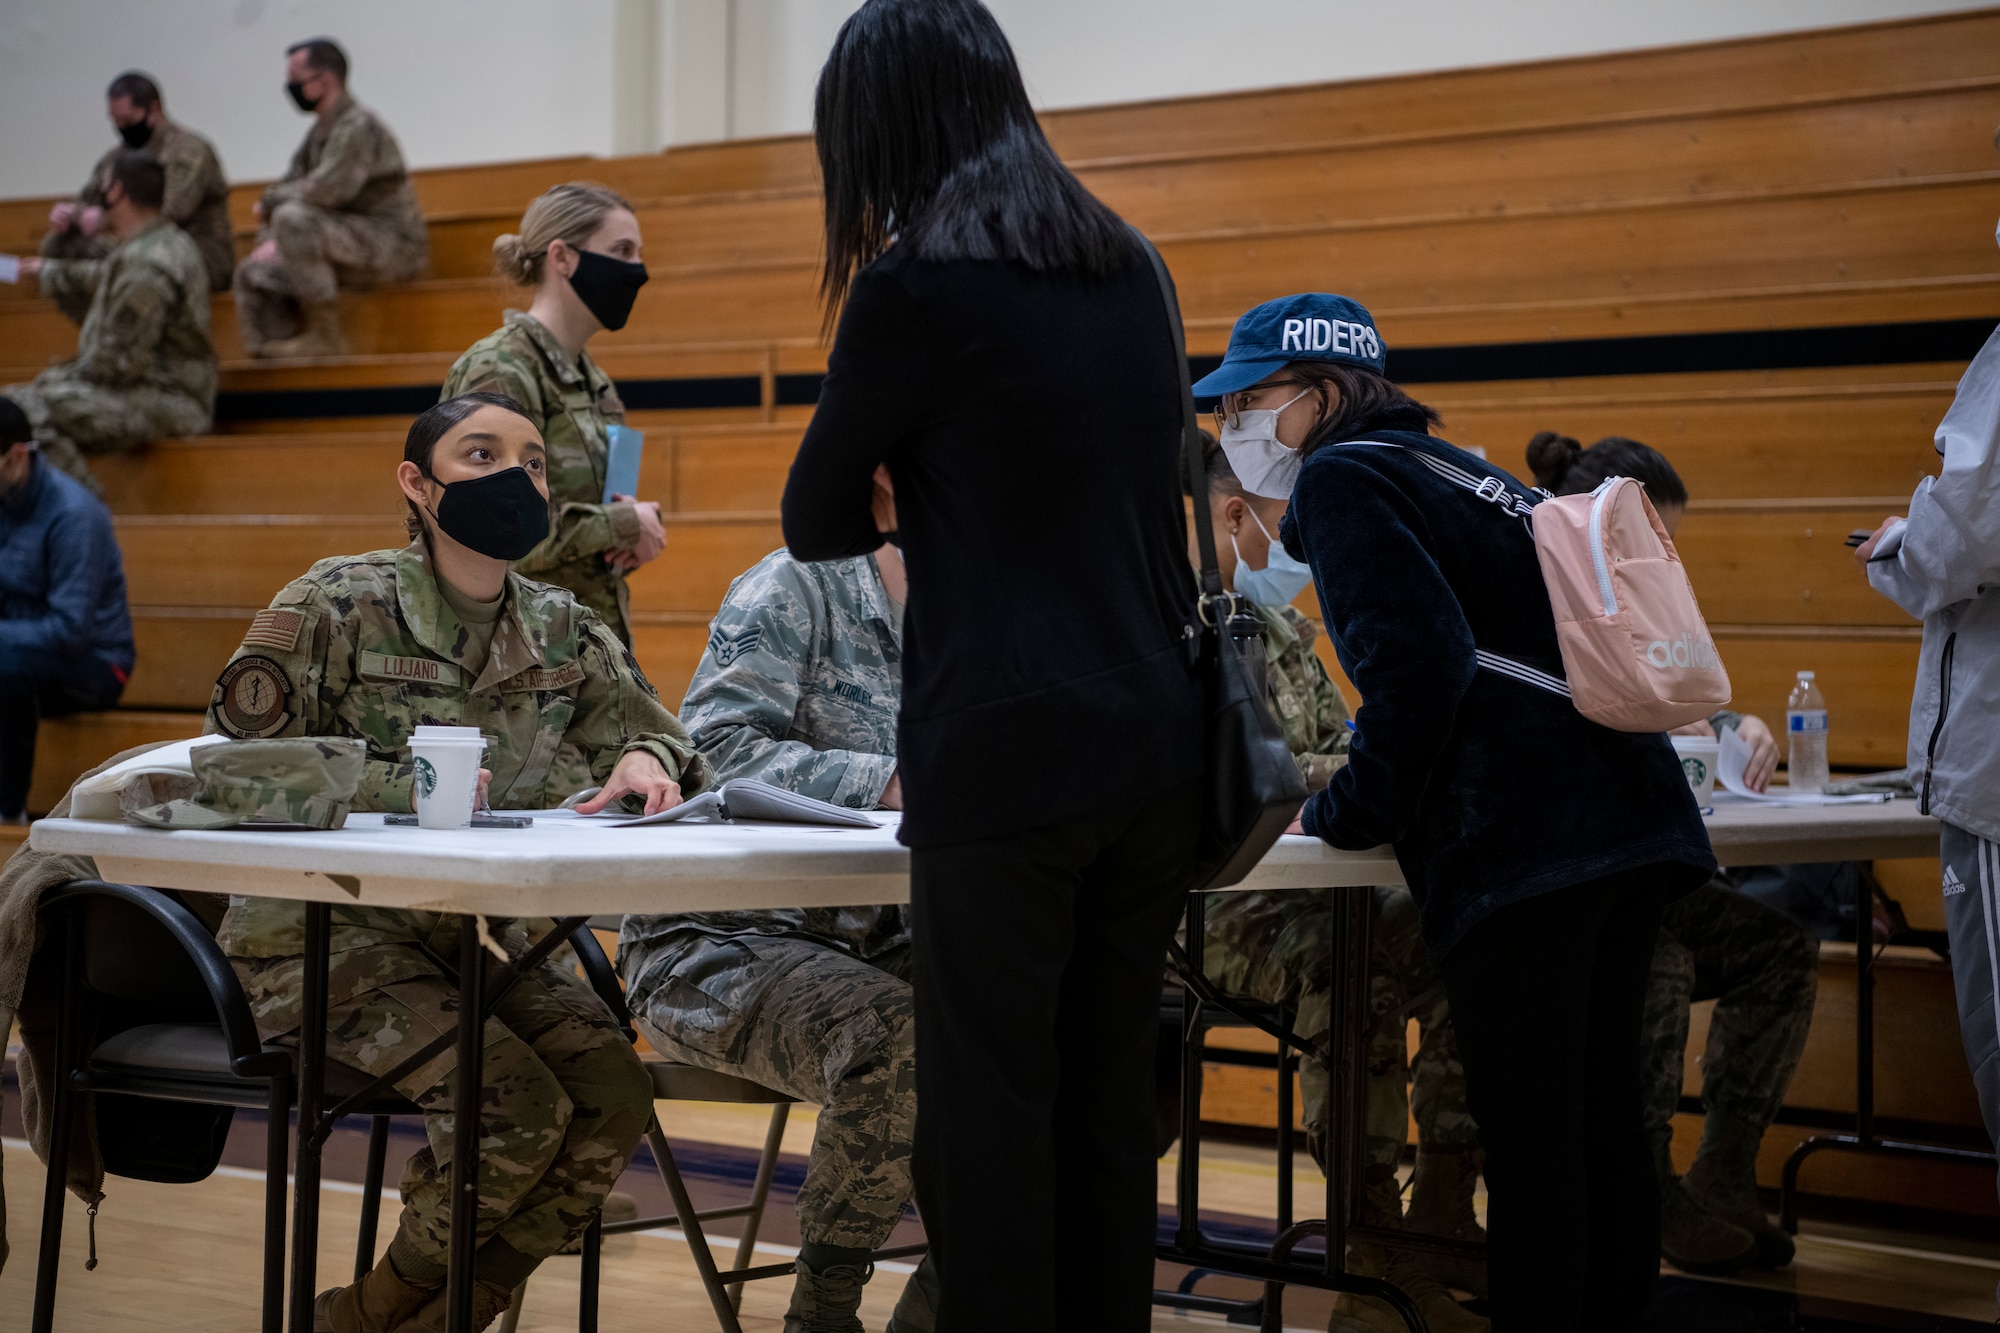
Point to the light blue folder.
(621, 466)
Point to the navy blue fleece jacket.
(62, 586)
(1490, 790)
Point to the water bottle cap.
(1805, 675)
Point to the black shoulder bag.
(1254, 786)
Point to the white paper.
(1735, 758)
(10, 268)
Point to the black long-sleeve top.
(1490, 789)
(1031, 422)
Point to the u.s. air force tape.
(250, 697)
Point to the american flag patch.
(275, 629)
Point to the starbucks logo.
(427, 778)
(1696, 770)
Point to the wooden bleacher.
(1801, 226)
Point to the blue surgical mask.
(1279, 581)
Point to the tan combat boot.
(1440, 1311)
(827, 1300)
(319, 336)
(381, 1302)
(1441, 1190)
(489, 1302)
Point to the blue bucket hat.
(1312, 326)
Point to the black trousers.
(1548, 996)
(1038, 980)
(35, 684)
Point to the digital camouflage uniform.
(197, 201)
(144, 366)
(1761, 968)
(800, 687)
(1762, 971)
(571, 403)
(344, 215)
(1277, 946)
(366, 646)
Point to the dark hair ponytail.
(1551, 455)
(1561, 468)
(430, 427)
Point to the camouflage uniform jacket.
(197, 195)
(148, 320)
(571, 403)
(800, 686)
(366, 646)
(351, 164)
(1308, 704)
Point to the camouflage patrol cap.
(307, 780)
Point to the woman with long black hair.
(1049, 739)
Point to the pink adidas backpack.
(1636, 653)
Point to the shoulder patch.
(728, 647)
(422, 670)
(277, 629)
(250, 698)
(546, 678)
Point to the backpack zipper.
(1937, 728)
(1605, 591)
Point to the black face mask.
(136, 135)
(500, 515)
(299, 98)
(607, 287)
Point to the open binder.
(751, 799)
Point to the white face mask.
(1261, 463)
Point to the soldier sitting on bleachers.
(65, 631)
(343, 216)
(144, 366)
(197, 197)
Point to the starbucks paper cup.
(446, 781)
(1698, 755)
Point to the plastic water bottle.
(1805, 722)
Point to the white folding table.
(575, 869)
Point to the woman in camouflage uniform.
(441, 632)
(579, 248)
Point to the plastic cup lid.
(429, 732)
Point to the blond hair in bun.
(568, 213)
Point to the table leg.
(312, 1083)
(1864, 1010)
(1187, 1193)
(465, 1126)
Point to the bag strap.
(1490, 489)
(1197, 478)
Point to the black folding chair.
(151, 1012)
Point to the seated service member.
(579, 248)
(1717, 944)
(343, 215)
(1277, 947)
(440, 632)
(144, 366)
(65, 632)
(196, 199)
(800, 687)
(1540, 847)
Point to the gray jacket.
(1944, 566)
